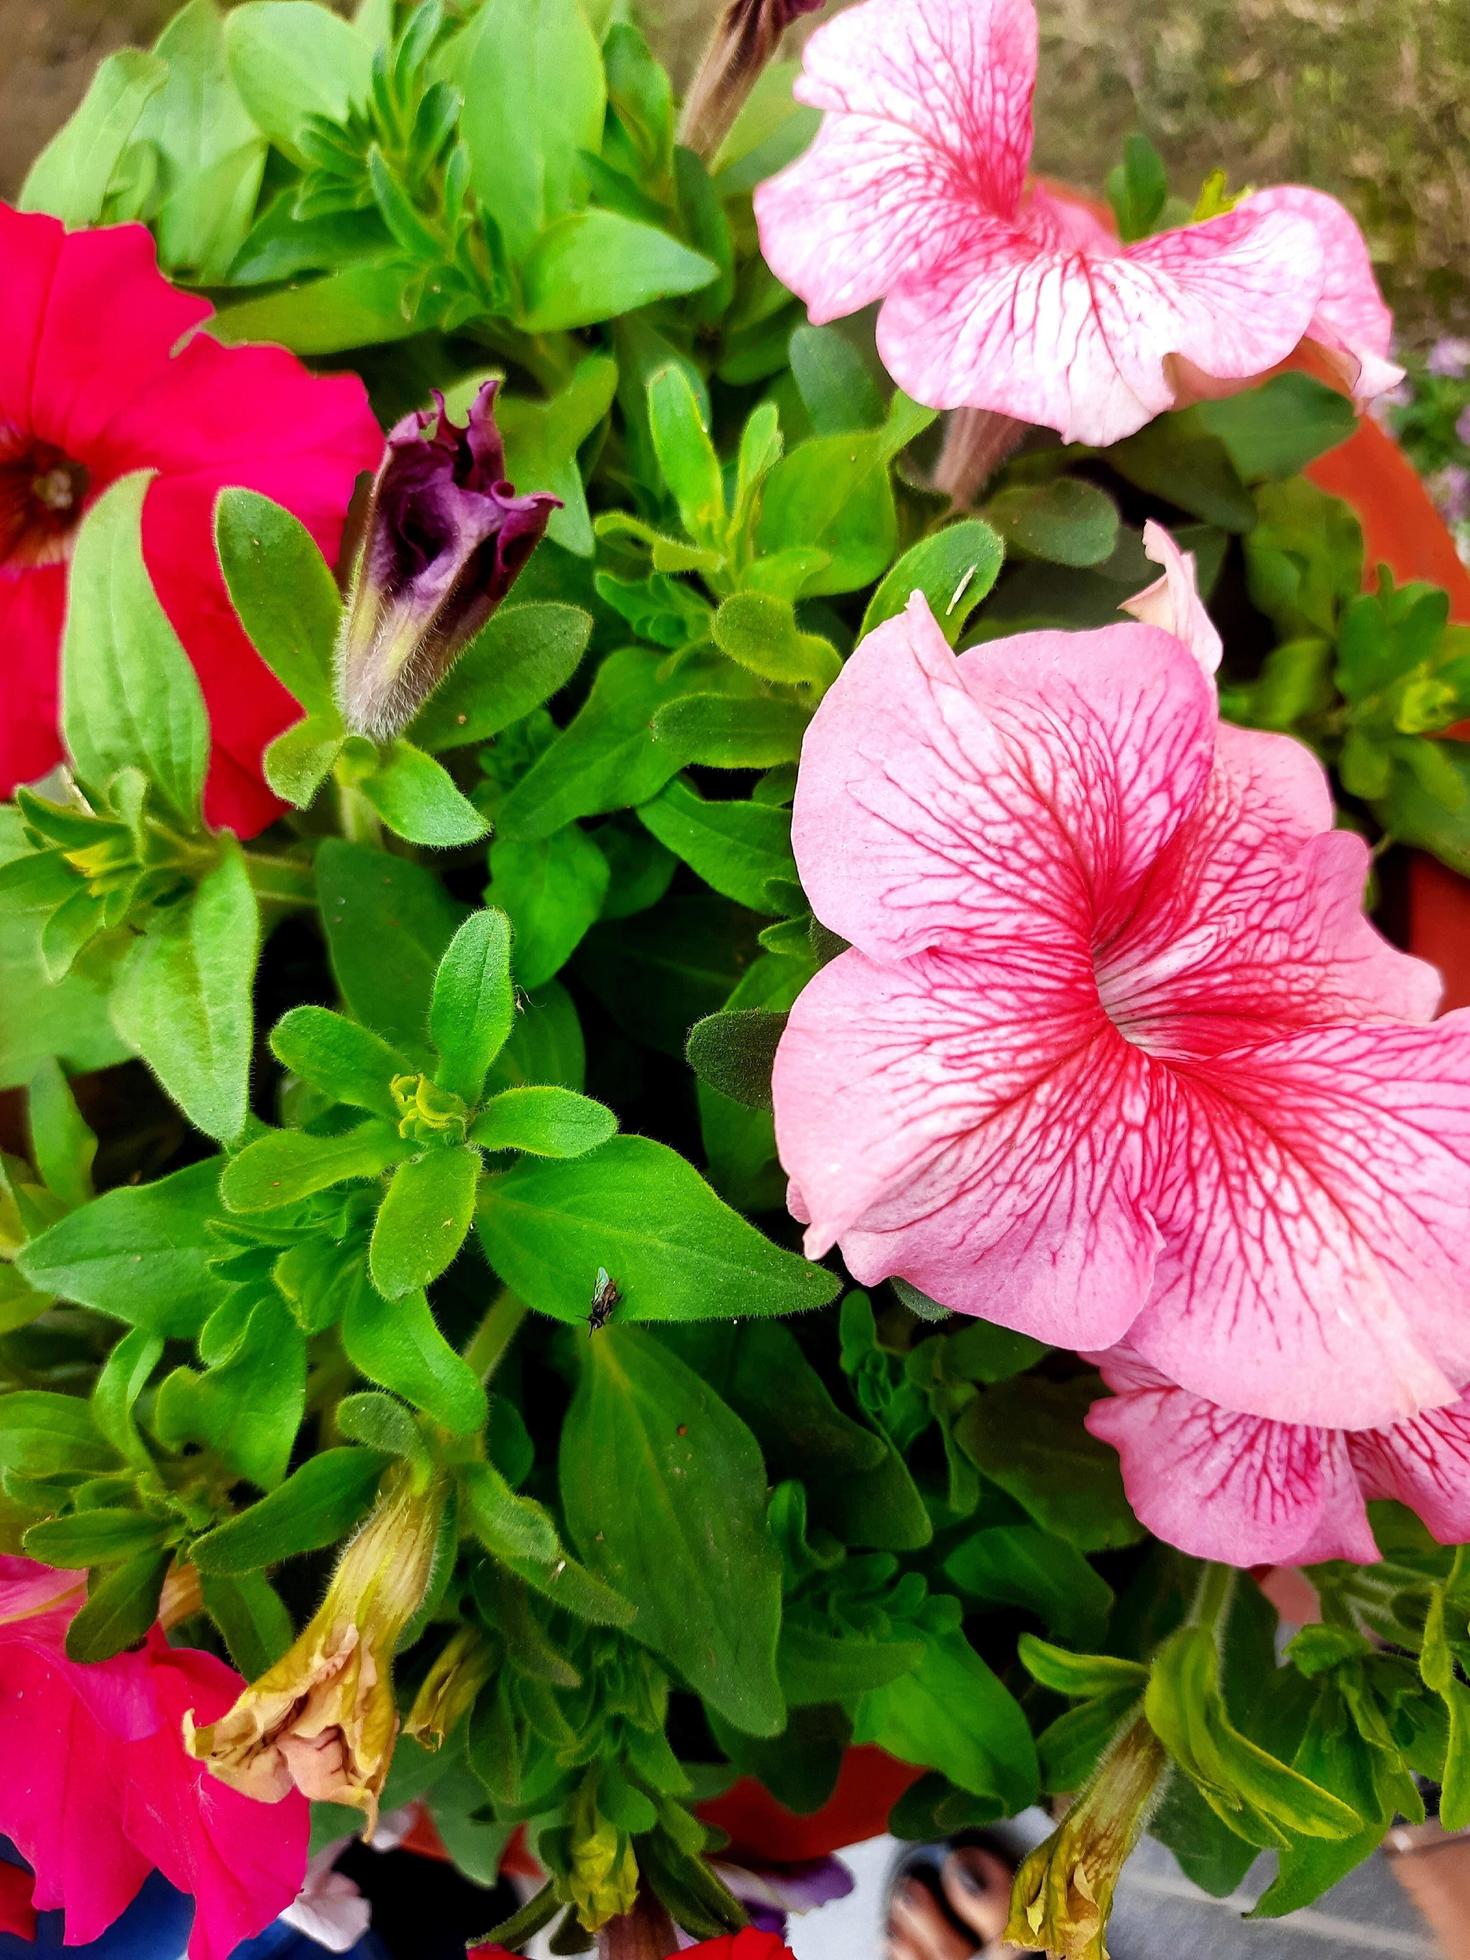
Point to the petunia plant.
(718, 1099)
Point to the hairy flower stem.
(490, 1340)
(977, 441)
(1213, 1600)
(645, 1933)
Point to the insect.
(605, 1296)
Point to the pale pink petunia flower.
(1114, 1051)
(1003, 297)
(1246, 1491)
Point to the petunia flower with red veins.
(1113, 1051)
(99, 1790)
(103, 371)
(1245, 1491)
(1002, 296)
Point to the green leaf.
(300, 759)
(472, 1006)
(316, 1506)
(84, 1538)
(517, 660)
(545, 1044)
(381, 1422)
(291, 59)
(423, 1219)
(596, 265)
(129, 698)
(209, 154)
(1019, 1565)
(183, 997)
(62, 1146)
(951, 1713)
(66, 1019)
(1027, 1436)
(399, 1346)
(547, 1122)
(606, 759)
(664, 1493)
(507, 1524)
(121, 1607)
(345, 1061)
(836, 388)
(248, 1612)
(1079, 1676)
(120, 1381)
(954, 569)
(1177, 457)
(659, 973)
(534, 95)
(74, 173)
(1275, 429)
(355, 307)
(739, 849)
(686, 456)
(1138, 189)
(417, 798)
(818, 1667)
(284, 593)
(247, 1405)
(645, 1215)
(370, 900)
(759, 632)
(140, 1254)
(284, 1166)
(736, 1052)
(1065, 522)
(47, 1435)
(553, 890)
(728, 732)
(832, 493)
(1262, 1799)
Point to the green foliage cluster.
(484, 1027)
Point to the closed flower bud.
(744, 41)
(449, 1688)
(323, 1718)
(445, 538)
(1063, 1894)
(603, 1881)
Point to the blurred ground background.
(1366, 98)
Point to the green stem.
(360, 822)
(488, 1343)
(286, 884)
(1212, 1601)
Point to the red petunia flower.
(102, 372)
(749, 1945)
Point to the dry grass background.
(1367, 98)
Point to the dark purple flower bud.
(742, 44)
(445, 537)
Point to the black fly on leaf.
(605, 1296)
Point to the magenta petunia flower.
(1114, 1051)
(1245, 1491)
(103, 371)
(1004, 297)
(99, 1789)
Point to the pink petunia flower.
(1004, 297)
(103, 371)
(1245, 1491)
(1113, 1051)
(99, 1790)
